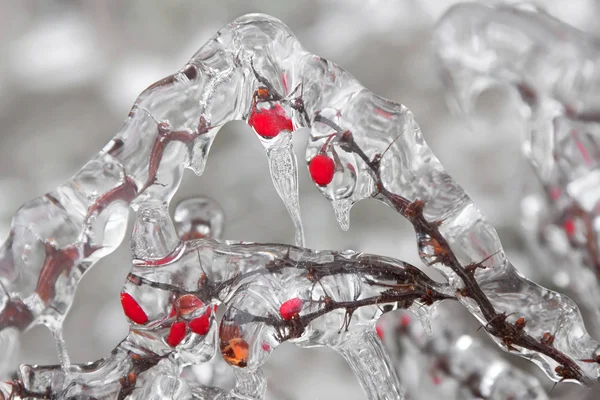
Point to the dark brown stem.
(295, 327)
(410, 283)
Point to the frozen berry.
(176, 334)
(269, 122)
(201, 325)
(290, 308)
(321, 169)
(235, 352)
(379, 331)
(569, 227)
(132, 309)
(188, 303)
(404, 320)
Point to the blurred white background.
(70, 71)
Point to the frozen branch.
(555, 84)
(361, 146)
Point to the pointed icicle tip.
(342, 212)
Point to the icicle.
(199, 151)
(361, 145)
(424, 315)
(153, 235)
(9, 347)
(55, 326)
(342, 212)
(250, 385)
(372, 366)
(284, 172)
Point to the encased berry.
(201, 325)
(188, 303)
(270, 122)
(379, 331)
(176, 334)
(133, 310)
(321, 169)
(290, 308)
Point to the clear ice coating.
(457, 365)
(361, 146)
(555, 82)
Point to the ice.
(284, 172)
(371, 364)
(555, 85)
(182, 290)
(361, 146)
(341, 208)
(198, 217)
(9, 346)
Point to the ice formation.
(551, 67)
(361, 146)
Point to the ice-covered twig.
(473, 280)
(169, 305)
(361, 146)
(552, 69)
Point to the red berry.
(270, 122)
(132, 309)
(201, 325)
(290, 308)
(569, 227)
(404, 320)
(379, 331)
(176, 334)
(266, 346)
(188, 303)
(321, 169)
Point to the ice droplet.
(153, 235)
(424, 315)
(342, 212)
(199, 151)
(55, 326)
(197, 218)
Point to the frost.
(369, 147)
